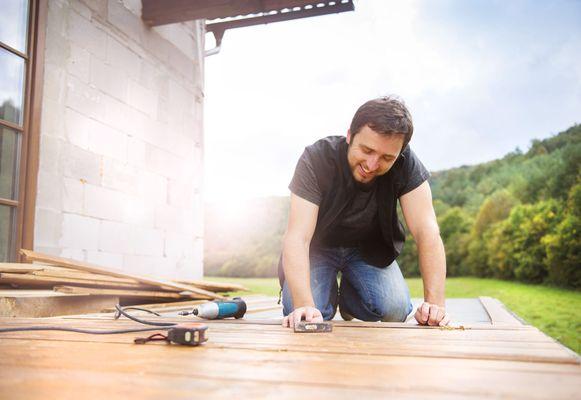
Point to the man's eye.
(366, 151)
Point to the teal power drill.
(219, 309)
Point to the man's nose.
(372, 163)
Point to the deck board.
(255, 358)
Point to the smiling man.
(343, 219)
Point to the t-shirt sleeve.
(304, 182)
(413, 173)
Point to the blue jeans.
(366, 292)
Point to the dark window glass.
(9, 151)
(6, 233)
(11, 86)
(14, 23)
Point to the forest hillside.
(515, 218)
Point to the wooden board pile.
(70, 277)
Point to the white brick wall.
(119, 166)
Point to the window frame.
(30, 130)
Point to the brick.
(50, 155)
(49, 195)
(99, 7)
(147, 242)
(79, 232)
(52, 123)
(110, 80)
(53, 251)
(105, 203)
(73, 195)
(190, 126)
(79, 63)
(178, 245)
(81, 8)
(47, 227)
(140, 213)
(182, 64)
(106, 141)
(73, 254)
(148, 265)
(84, 99)
(119, 176)
(142, 99)
(54, 82)
(105, 259)
(136, 152)
(152, 187)
(115, 237)
(198, 215)
(56, 36)
(118, 115)
(124, 20)
(77, 128)
(168, 218)
(180, 193)
(162, 162)
(180, 99)
(120, 56)
(86, 34)
(80, 164)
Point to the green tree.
(564, 246)
(494, 209)
(455, 227)
(515, 245)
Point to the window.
(18, 71)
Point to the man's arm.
(301, 226)
(420, 218)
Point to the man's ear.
(348, 136)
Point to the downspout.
(218, 35)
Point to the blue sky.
(480, 78)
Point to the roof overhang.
(239, 13)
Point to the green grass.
(552, 310)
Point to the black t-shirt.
(357, 220)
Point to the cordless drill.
(219, 309)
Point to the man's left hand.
(431, 314)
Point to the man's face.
(372, 154)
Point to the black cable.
(141, 321)
(62, 328)
(167, 325)
(117, 314)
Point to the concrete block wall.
(121, 153)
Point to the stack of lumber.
(69, 277)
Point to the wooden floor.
(491, 355)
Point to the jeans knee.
(394, 309)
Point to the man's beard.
(364, 186)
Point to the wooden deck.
(495, 355)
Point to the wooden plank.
(214, 286)
(128, 293)
(69, 273)
(19, 267)
(342, 342)
(112, 365)
(64, 262)
(53, 304)
(498, 313)
(49, 281)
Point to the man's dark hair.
(386, 115)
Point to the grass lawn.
(552, 310)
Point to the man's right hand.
(310, 314)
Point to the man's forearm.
(432, 259)
(296, 267)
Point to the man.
(343, 219)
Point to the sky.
(480, 78)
